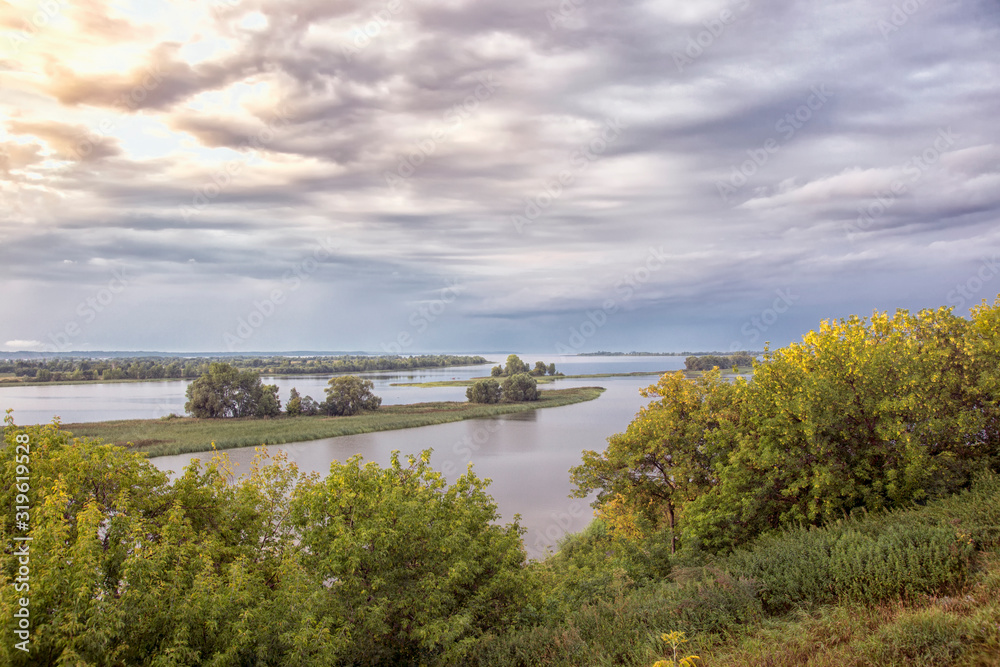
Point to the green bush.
(484, 391)
(863, 561)
(519, 387)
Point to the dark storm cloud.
(761, 146)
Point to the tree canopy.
(368, 566)
(349, 395)
(519, 387)
(870, 413)
(225, 391)
(484, 391)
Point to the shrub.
(846, 561)
(484, 391)
(519, 387)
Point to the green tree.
(224, 391)
(496, 371)
(484, 391)
(268, 404)
(419, 569)
(519, 387)
(310, 406)
(667, 456)
(540, 368)
(874, 413)
(514, 366)
(552, 369)
(349, 395)
(294, 405)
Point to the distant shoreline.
(7, 382)
(664, 354)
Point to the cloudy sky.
(434, 175)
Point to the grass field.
(181, 435)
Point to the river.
(527, 455)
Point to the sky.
(438, 175)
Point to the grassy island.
(181, 435)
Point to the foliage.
(417, 569)
(225, 391)
(484, 391)
(519, 387)
(310, 406)
(674, 640)
(293, 407)
(709, 361)
(866, 414)
(514, 365)
(368, 565)
(865, 562)
(348, 395)
(595, 611)
(667, 456)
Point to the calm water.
(528, 455)
(148, 400)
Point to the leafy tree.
(496, 371)
(665, 459)
(874, 413)
(369, 566)
(514, 366)
(552, 369)
(540, 368)
(294, 405)
(268, 404)
(484, 391)
(349, 395)
(418, 569)
(519, 387)
(224, 391)
(310, 406)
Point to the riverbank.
(183, 435)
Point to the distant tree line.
(709, 361)
(156, 368)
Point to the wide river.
(527, 455)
